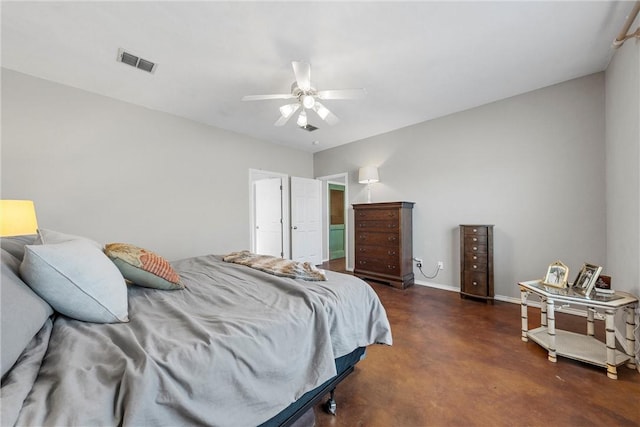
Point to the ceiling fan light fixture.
(288, 110)
(302, 119)
(308, 101)
(307, 97)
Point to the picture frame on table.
(603, 285)
(557, 275)
(586, 279)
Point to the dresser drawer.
(377, 252)
(471, 258)
(475, 283)
(382, 225)
(475, 249)
(376, 265)
(475, 266)
(475, 240)
(377, 214)
(480, 230)
(375, 238)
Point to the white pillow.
(78, 280)
(46, 237)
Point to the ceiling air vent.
(135, 61)
(308, 127)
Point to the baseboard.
(437, 286)
(504, 298)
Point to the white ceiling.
(417, 60)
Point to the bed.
(235, 347)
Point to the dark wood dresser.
(383, 242)
(476, 261)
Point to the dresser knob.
(475, 248)
(391, 238)
(391, 252)
(391, 267)
(475, 283)
(475, 266)
(475, 239)
(475, 230)
(475, 257)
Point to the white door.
(306, 220)
(268, 205)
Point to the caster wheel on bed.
(330, 406)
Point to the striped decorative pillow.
(143, 267)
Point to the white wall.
(623, 166)
(114, 171)
(533, 165)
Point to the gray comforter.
(233, 349)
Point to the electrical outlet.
(440, 265)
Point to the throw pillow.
(143, 267)
(77, 280)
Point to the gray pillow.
(23, 312)
(78, 280)
(15, 245)
(46, 237)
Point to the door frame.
(340, 179)
(256, 175)
(331, 184)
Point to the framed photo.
(557, 275)
(603, 282)
(586, 279)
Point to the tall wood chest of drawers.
(383, 242)
(476, 261)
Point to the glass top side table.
(585, 348)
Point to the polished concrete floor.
(461, 362)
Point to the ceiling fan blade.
(281, 121)
(342, 94)
(263, 97)
(325, 114)
(302, 71)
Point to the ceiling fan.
(307, 97)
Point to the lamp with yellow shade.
(17, 218)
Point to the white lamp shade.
(17, 218)
(368, 174)
(302, 119)
(308, 101)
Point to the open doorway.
(336, 221)
(335, 218)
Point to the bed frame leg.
(330, 406)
